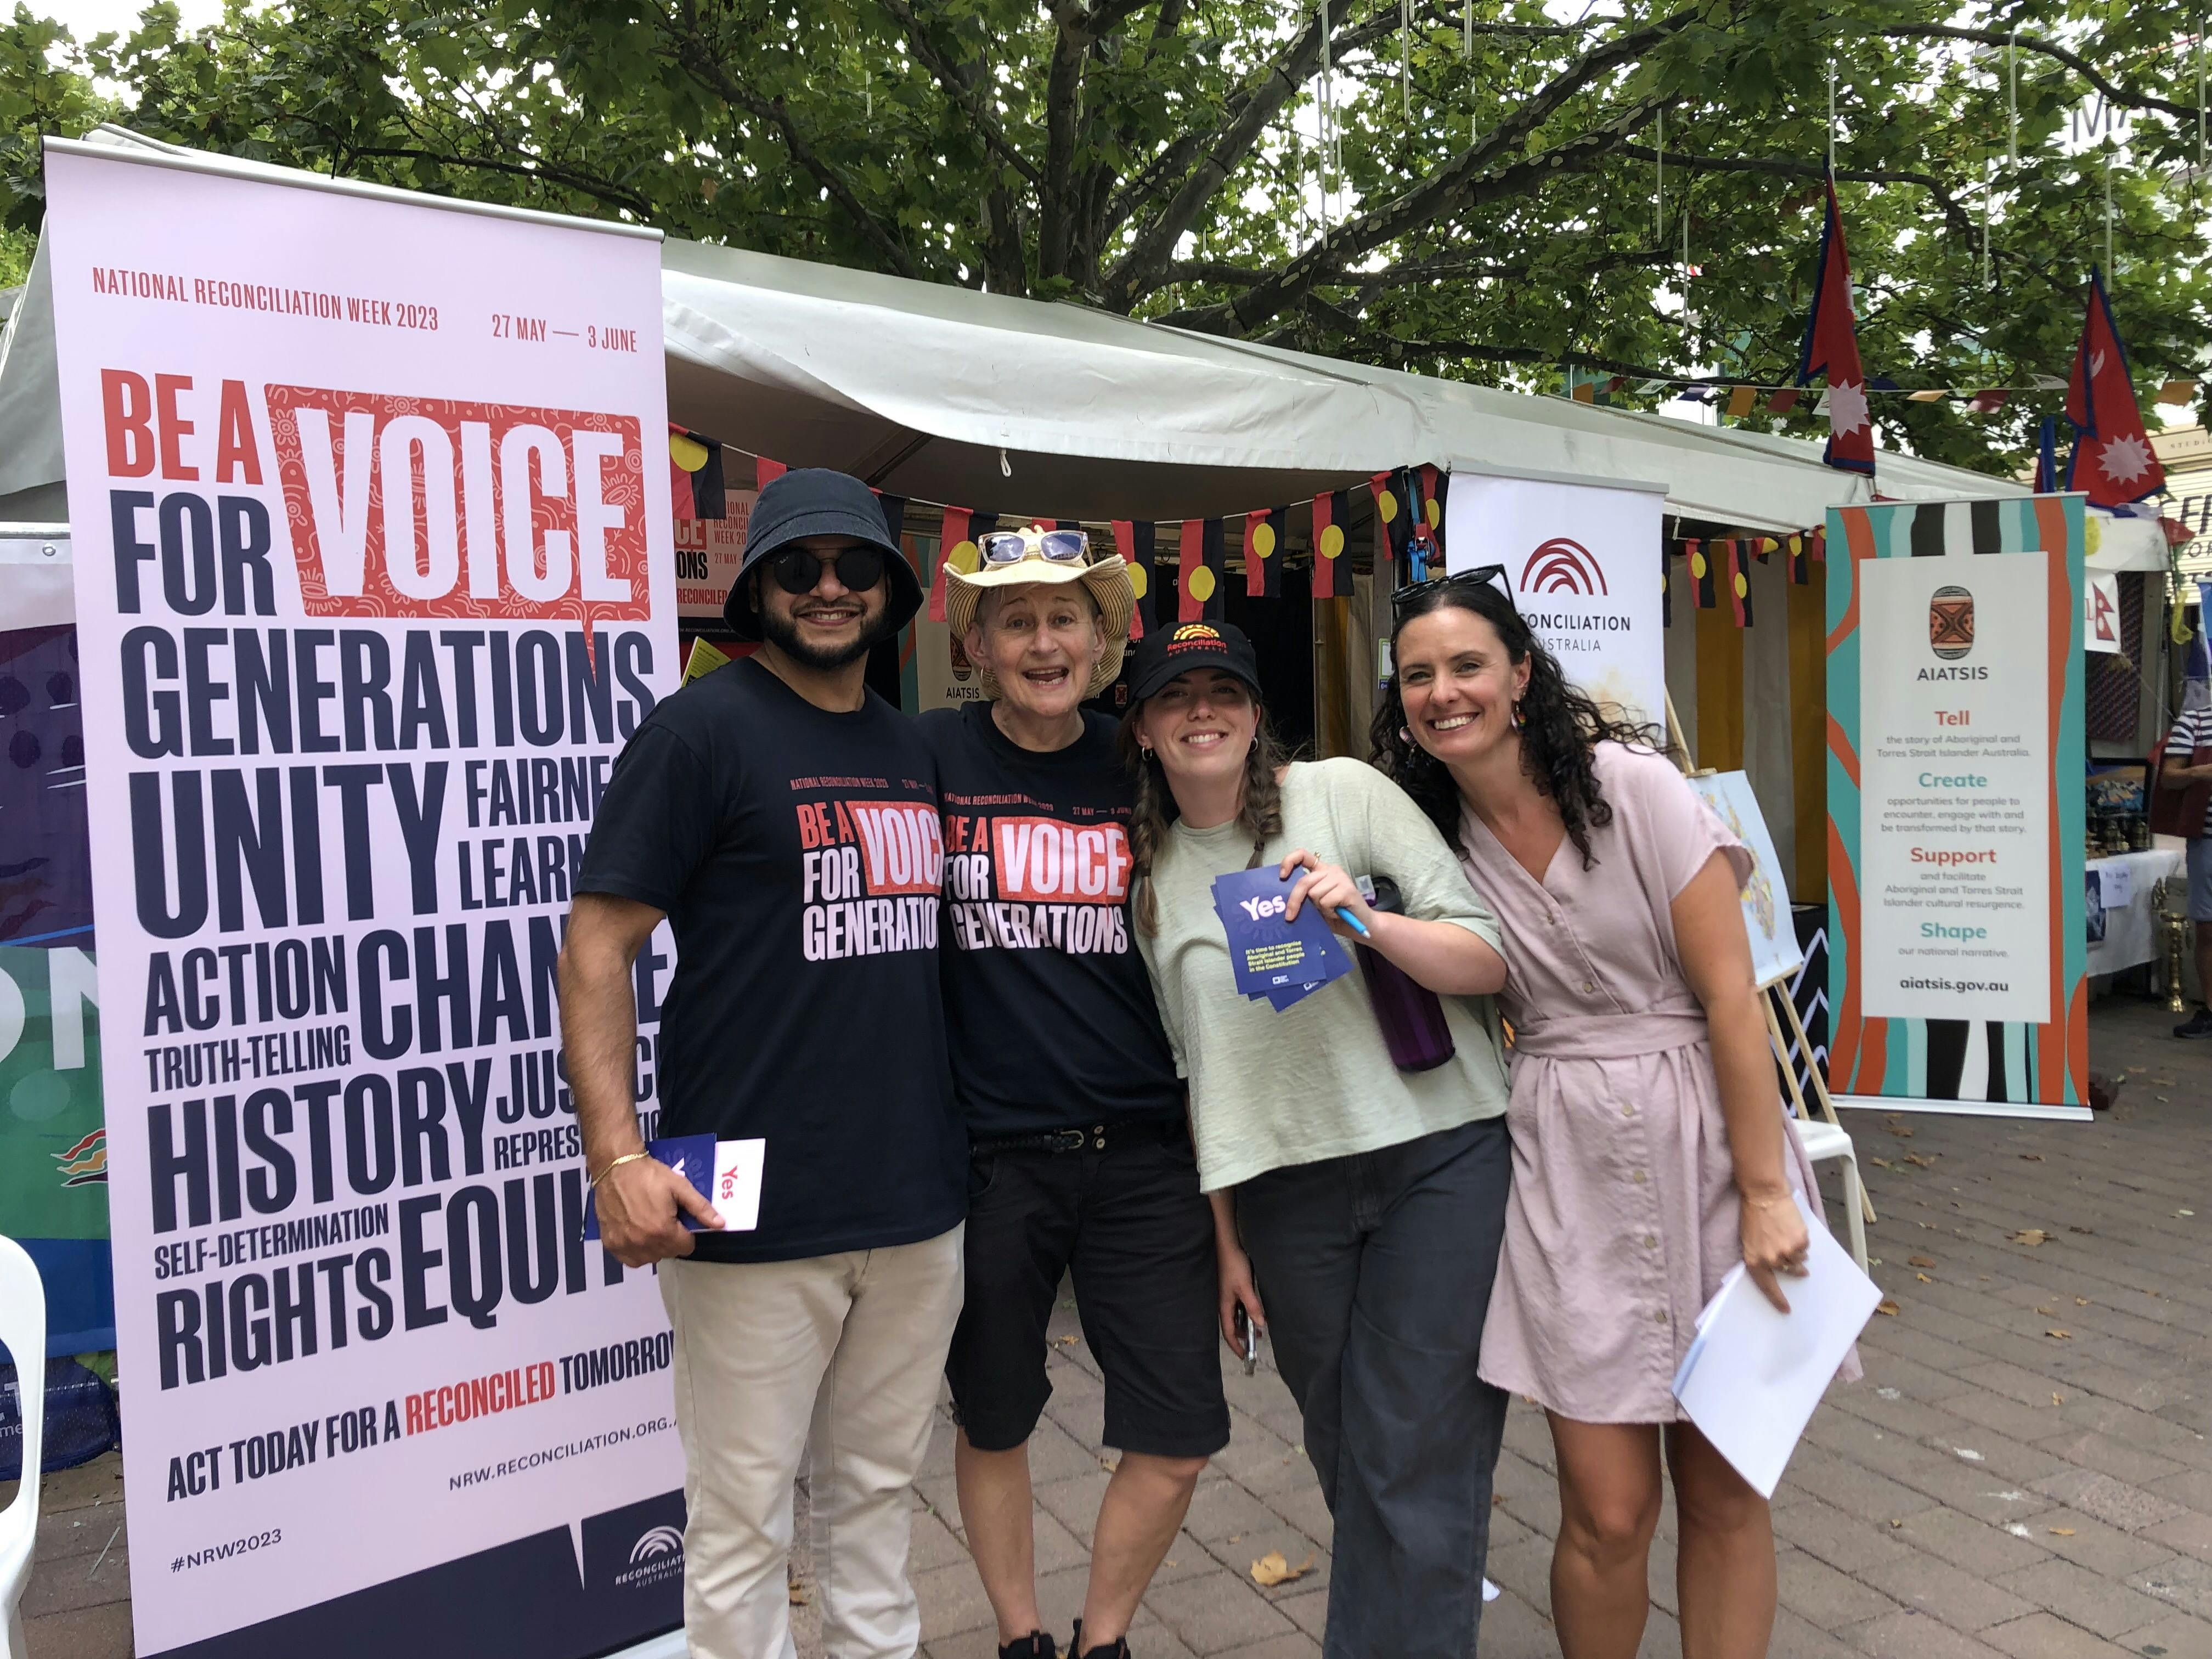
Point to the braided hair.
(1560, 727)
(1259, 806)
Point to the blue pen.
(1354, 923)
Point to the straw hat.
(1106, 576)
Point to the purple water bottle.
(1411, 1018)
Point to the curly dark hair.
(1560, 727)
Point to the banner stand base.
(668, 1645)
(2019, 1109)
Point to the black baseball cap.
(1167, 652)
(814, 501)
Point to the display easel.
(1774, 998)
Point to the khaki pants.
(841, 1351)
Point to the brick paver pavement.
(2025, 1473)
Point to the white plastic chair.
(24, 1329)
(1823, 1140)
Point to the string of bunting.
(1720, 568)
(1409, 503)
(1738, 399)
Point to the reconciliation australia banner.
(1956, 954)
(374, 577)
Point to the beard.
(781, 629)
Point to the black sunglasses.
(857, 569)
(1483, 575)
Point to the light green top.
(1268, 1090)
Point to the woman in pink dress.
(1650, 1152)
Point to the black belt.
(1098, 1138)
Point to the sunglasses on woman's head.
(1012, 546)
(1483, 575)
(797, 571)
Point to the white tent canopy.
(1021, 406)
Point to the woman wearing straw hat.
(1081, 1157)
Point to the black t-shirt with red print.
(797, 854)
(1047, 1004)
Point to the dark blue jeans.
(1374, 1270)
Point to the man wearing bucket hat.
(1080, 1157)
(783, 819)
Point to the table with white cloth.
(2131, 926)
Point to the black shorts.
(1138, 1235)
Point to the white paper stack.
(1753, 1376)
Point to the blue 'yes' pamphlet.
(1282, 961)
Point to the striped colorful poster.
(1955, 744)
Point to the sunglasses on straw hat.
(1059, 546)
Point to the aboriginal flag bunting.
(1134, 541)
(1394, 522)
(1264, 532)
(1435, 484)
(1702, 587)
(1332, 513)
(1736, 570)
(695, 475)
(950, 542)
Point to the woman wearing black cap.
(1371, 1198)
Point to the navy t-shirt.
(1047, 1003)
(798, 854)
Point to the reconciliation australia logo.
(1951, 622)
(656, 1557)
(1562, 565)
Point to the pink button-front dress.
(1624, 1216)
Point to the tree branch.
(612, 195)
(959, 80)
(1062, 99)
(2050, 49)
(1464, 178)
(692, 50)
(1785, 167)
(1137, 271)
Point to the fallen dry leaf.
(1920, 1261)
(1067, 1341)
(2081, 1301)
(1897, 1523)
(2031, 1235)
(2060, 1532)
(1901, 1133)
(1271, 1569)
(1924, 1278)
(2032, 1158)
(2164, 1082)
(1880, 1163)
(2046, 1312)
(2057, 1399)
(2138, 1068)
(1886, 1305)
(1924, 1163)
(2063, 1336)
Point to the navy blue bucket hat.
(817, 502)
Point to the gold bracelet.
(1767, 1203)
(627, 1157)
